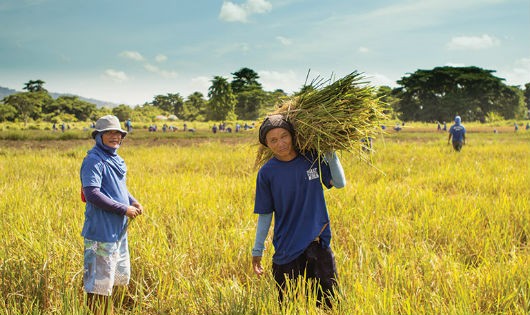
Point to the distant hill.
(6, 92)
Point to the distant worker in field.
(515, 126)
(458, 133)
(128, 125)
(290, 186)
(109, 207)
(367, 144)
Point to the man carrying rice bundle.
(296, 157)
(290, 185)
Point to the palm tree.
(222, 100)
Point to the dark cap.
(271, 122)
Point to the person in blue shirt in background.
(458, 133)
(109, 206)
(290, 186)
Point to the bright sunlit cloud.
(160, 58)
(364, 50)
(164, 73)
(115, 75)
(519, 74)
(133, 55)
(472, 42)
(288, 81)
(232, 12)
(284, 40)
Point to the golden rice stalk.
(336, 117)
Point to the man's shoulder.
(93, 159)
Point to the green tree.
(222, 100)
(250, 102)
(7, 112)
(100, 112)
(171, 103)
(389, 99)
(68, 104)
(34, 86)
(145, 112)
(441, 93)
(272, 102)
(527, 96)
(123, 112)
(28, 104)
(194, 107)
(245, 79)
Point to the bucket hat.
(106, 123)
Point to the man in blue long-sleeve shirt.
(109, 206)
(290, 186)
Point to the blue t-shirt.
(293, 191)
(457, 131)
(98, 170)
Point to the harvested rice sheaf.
(342, 115)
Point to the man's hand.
(256, 265)
(132, 212)
(138, 206)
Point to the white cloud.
(364, 50)
(232, 12)
(200, 84)
(378, 79)
(519, 74)
(160, 58)
(257, 6)
(115, 75)
(284, 40)
(472, 42)
(231, 48)
(134, 55)
(288, 81)
(164, 73)
(455, 64)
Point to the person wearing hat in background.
(109, 206)
(290, 186)
(458, 133)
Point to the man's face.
(280, 141)
(112, 138)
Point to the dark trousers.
(457, 145)
(315, 263)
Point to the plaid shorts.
(106, 265)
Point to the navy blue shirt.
(293, 191)
(458, 132)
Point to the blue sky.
(129, 51)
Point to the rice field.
(424, 230)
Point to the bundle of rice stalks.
(344, 115)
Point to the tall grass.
(426, 230)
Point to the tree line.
(425, 95)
